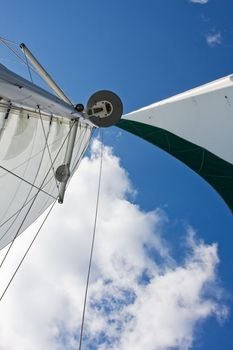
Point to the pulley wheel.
(104, 108)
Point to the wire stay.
(8, 44)
(92, 243)
(27, 251)
(32, 203)
(27, 182)
(38, 231)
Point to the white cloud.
(199, 1)
(136, 299)
(214, 39)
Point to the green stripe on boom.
(216, 171)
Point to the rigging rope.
(27, 251)
(93, 241)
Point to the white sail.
(34, 131)
(196, 127)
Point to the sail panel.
(22, 92)
(32, 146)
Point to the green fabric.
(216, 171)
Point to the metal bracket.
(63, 171)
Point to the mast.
(45, 75)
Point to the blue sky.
(145, 51)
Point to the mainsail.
(196, 127)
(34, 131)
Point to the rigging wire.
(27, 160)
(6, 43)
(47, 146)
(23, 206)
(28, 194)
(37, 233)
(27, 251)
(44, 184)
(20, 226)
(32, 203)
(93, 241)
(27, 182)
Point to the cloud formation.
(139, 296)
(214, 39)
(199, 1)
